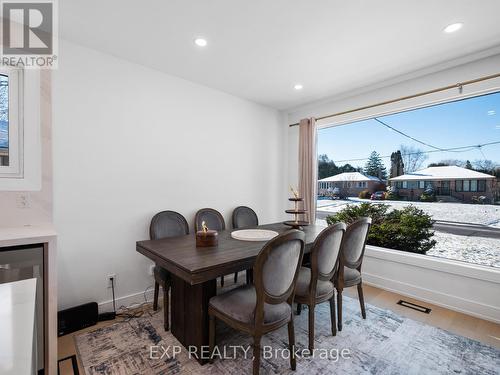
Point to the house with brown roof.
(448, 181)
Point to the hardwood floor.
(461, 324)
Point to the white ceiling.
(258, 49)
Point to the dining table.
(194, 271)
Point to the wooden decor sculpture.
(296, 223)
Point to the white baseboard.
(466, 306)
(131, 299)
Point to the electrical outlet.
(23, 201)
(111, 276)
(150, 269)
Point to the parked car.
(378, 196)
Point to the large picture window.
(438, 166)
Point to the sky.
(462, 123)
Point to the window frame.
(15, 169)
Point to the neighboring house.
(457, 182)
(350, 184)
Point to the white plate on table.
(254, 234)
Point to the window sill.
(438, 264)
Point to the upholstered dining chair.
(213, 219)
(267, 305)
(165, 224)
(314, 284)
(348, 274)
(244, 217)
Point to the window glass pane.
(466, 185)
(4, 120)
(452, 147)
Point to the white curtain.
(308, 167)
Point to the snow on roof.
(451, 172)
(350, 176)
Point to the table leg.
(189, 304)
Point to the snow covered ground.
(477, 250)
(486, 214)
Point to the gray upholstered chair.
(213, 219)
(165, 224)
(348, 274)
(244, 217)
(314, 284)
(267, 305)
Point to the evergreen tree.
(375, 167)
(468, 164)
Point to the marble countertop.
(17, 322)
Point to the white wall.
(468, 288)
(130, 141)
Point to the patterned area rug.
(384, 343)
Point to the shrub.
(392, 194)
(408, 229)
(365, 194)
(427, 198)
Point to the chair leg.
(311, 328)
(339, 310)
(211, 337)
(222, 281)
(256, 355)
(299, 308)
(155, 299)
(332, 315)
(361, 300)
(166, 303)
(236, 277)
(291, 343)
(249, 276)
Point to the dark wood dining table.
(194, 272)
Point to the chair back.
(168, 224)
(354, 242)
(244, 217)
(325, 254)
(212, 218)
(276, 270)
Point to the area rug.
(384, 343)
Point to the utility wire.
(408, 136)
(454, 149)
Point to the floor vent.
(410, 305)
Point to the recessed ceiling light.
(453, 27)
(298, 86)
(200, 42)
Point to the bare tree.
(484, 165)
(413, 158)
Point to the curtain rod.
(457, 85)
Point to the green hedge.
(408, 229)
